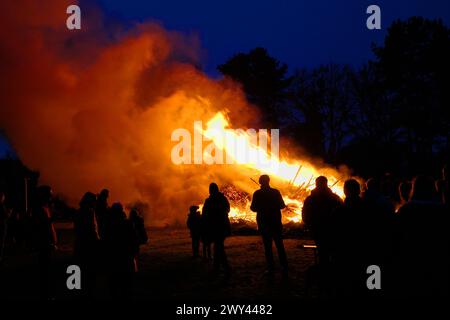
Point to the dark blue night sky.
(299, 33)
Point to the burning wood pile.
(295, 179)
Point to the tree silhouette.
(264, 81)
(324, 96)
(414, 64)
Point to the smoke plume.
(95, 108)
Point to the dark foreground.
(168, 272)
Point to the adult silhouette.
(215, 211)
(424, 242)
(122, 248)
(101, 211)
(86, 241)
(267, 202)
(378, 218)
(317, 214)
(349, 243)
(44, 239)
(138, 223)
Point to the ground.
(167, 271)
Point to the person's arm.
(254, 205)
(306, 211)
(281, 203)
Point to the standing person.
(267, 203)
(86, 241)
(349, 240)
(215, 210)
(317, 215)
(45, 239)
(424, 242)
(101, 211)
(122, 247)
(378, 218)
(137, 222)
(194, 223)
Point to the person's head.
(117, 211)
(404, 189)
(193, 209)
(213, 189)
(134, 214)
(2, 197)
(104, 194)
(264, 180)
(352, 188)
(44, 195)
(373, 185)
(88, 200)
(423, 189)
(321, 183)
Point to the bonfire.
(294, 178)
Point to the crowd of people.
(410, 243)
(407, 239)
(212, 227)
(106, 242)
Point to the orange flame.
(298, 174)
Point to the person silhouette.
(267, 202)
(44, 239)
(194, 223)
(138, 223)
(379, 219)
(101, 211)
(349, 241)
(137, 220)
(424, 242)
(86, 241)
(122, 246)
(317, 214)
(215, 210)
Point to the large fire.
(95, 108)
(297, 177)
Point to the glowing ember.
(298, 177)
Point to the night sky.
(299, 33)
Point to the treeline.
(390, 115)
